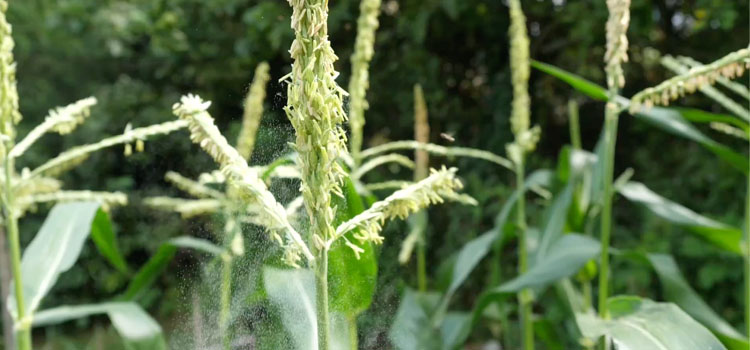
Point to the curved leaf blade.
(54, 250)
(721, 235)
(135, 326)
(643, 324)
(106, 241)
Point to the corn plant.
(209, 200)
(56, 246)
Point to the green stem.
(321, 296)
(226, 299)
(747, 259)
(422, 263)
(24, 334)
(610, 139)
(574, 124)
(524, 297)
(353, 340)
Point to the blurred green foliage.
(137, 57)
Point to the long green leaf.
(472, 252)
(351, 280)
(565, 257)
(293, 293)
(591, 89)
(638, 324)
(677, 290)
(721, 235)
(412, 328)
(671, 121)
(54, 250)
(138, 330)
(150, 271)
(106, 241)
(668, 119)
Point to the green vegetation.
(300, 234)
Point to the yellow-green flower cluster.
(617, 42)
(730, 66)
(74, 156)
(433, 189)
(9, 114)
(253, 111)
(61, 120)
(525, 138)
(244, 181)
(364, 44)
(315, 110)
(187, 208)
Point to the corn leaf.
(158, 262)
(351, 281)
(138, 330)
(54, 250)
(668, 119)
(723, 236)
(638, 324)
(677, 290)
(106, 241)
(293, 293)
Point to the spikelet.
(253, 111)
(438, 150)
(401, 204)
(525, 138)
(617, 42)
(36, 186)
(61, 120)
(730, 130)
(421, 134)
(367, 24)
(315, 110)
(378, 161)
(9, 114)
(715, 94)
(387, 185)
(107, 198)
(76, 155)
(730, 66)
(242, 179)
(187, 208)
(191, 187)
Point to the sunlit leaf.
(721, 235)
(351, 281)
(638, 324)
(54, 250)
(138, 330)
(106, 241)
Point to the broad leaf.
(677, 290)
(293, 293)
(669, 119)
(54, 250)
(472, 252)
(721, 235)
(351, 281)
(138, 330)
(150, 271)
(565, 257)
(412, 327)
(106, 241)
(638, 324)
